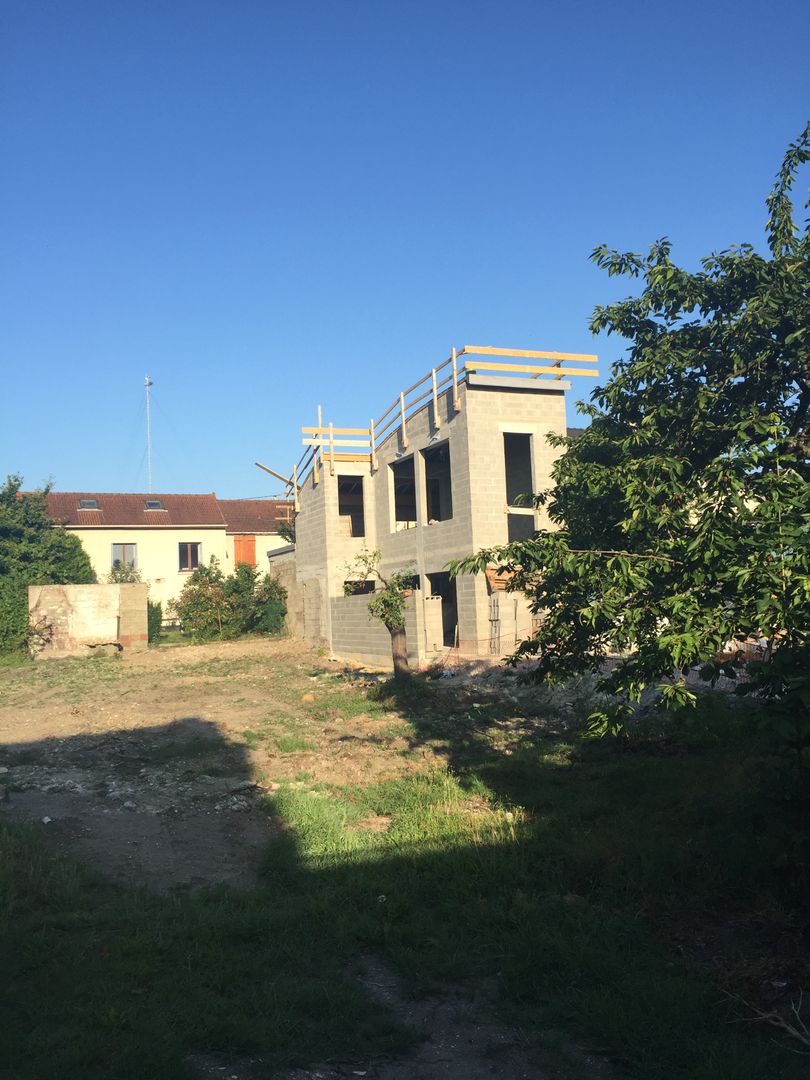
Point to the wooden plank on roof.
(528, 354)
(336, 442)
(530, 369)
(337, 431)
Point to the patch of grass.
(343, 701)
(15, 660)
(173, 637)
(292, 744)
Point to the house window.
(404, 482)
(350, 504)
(154, 504)
(437, 483)
(517, 453)
(88, 504)
(189, 556)
(125, 556)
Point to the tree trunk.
(399, 652)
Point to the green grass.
(568, 871)
(292, 744)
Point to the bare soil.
(151, 767)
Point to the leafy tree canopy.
(215, 605)
(682, 513)
(32, 552)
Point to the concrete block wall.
(510, 621)
(493, 413)
(432, 608)
(282, 567)
(359, 636)
(78, 620)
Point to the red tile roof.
(130, 509)
(254, 516)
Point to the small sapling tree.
(386, 604)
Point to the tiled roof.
(254, 515)
(130, 509)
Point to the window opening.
(189, 556)
(357, 588)
(520, 526)
(350, 504)
(88, 504)
(437, 483)
(124, 556)
(404, 495)
(154, 504)
(517, 452)
(441, 584)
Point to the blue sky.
(268, 205)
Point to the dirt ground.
(150, 767)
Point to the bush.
(154, 619)
(212, 605)
(271, 606)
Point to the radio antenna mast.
(147, 382)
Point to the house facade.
(165, 537)
(438, 476)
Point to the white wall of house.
(157, 553)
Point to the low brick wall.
(80, 620)
(356, 635)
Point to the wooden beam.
(484, 365)
(456, 398)
(315, 459)
(371, 444)
(337, 442)
(337, 431)
(272, 472)
(528, 354)
(437, 420)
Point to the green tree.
(682, 513)
(213, 605)
(387, 604)
(32, 552)
(203, 606)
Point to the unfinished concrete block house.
(435, 478)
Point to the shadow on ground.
(285, 968)
(164, 806)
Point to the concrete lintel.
(533, 386)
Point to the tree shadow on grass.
(122, 981)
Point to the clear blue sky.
(266, 205)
